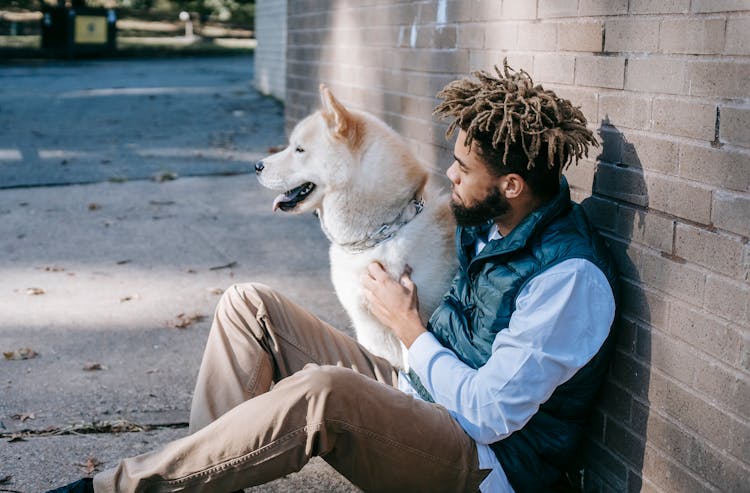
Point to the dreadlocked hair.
(506, 113)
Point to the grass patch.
(139, 46)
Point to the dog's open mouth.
(289, 199)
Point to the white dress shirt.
(562, 318)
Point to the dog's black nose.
(259, 167)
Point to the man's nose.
(451, 173)
(259, 167)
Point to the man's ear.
(339, 120)
(513, 185)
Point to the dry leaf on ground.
(93, 367)
(163, 176)
(215, 290)
(34, 291)
(184, 321)
(225, 266)
(16, 437)
(94, 206)
(21, 353)
(90, 466)
(129, 298)
(22, 417)
(6, 479)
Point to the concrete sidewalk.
(101, 273)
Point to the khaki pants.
(278, 386)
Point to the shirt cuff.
(422, 352)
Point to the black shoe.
(85, 485)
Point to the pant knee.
(331, 382)
(246, 294)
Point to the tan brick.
(630, 373)
(644, 303)
(436, 37)
(685, 118)
(615, 402)
(627, 256)
(620, 183)
(693, 36)
(600, 71)
(667, 474)
(737, 39)
(470, 35)
(647, 228)
(601, 212)
(626, 341)
(603, 466)
(624, 442)
(553, 68)
(687, 200)
(731, 212)
(603, 7)
(557, 8)
(519, 9)
(580, 36)
(383, 36)
(427, 61)
(703, 6)
(727, 387)
(719, 79)
(656, 74)
(611, 144)
(540, 36)
(485, 10)
(734, 127)
(581, 176)
(584, 97)
(667, 354)
(487, 59)
(716, 251)
(681, 280)
(706, 462)
(501, 36)
(659, 6)
(689, 409)
(422, 84)
(454, 12)
(623, 109)
(650, 153)
(726, 168)
(727, 298)
(631, 35)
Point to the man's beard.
(492, 206)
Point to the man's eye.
(299, 149)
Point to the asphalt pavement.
(126, 207)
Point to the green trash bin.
(71, 32)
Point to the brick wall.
(270, 53)
(666, 87)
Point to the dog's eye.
(299, 149)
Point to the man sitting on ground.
(502, 377)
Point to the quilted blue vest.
(480, 303)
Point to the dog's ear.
(339, 120)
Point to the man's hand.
(394, 303)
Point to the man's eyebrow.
(463, 164)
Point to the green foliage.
(237, 12)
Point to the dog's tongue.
(283, 199)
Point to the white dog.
(375, 202)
